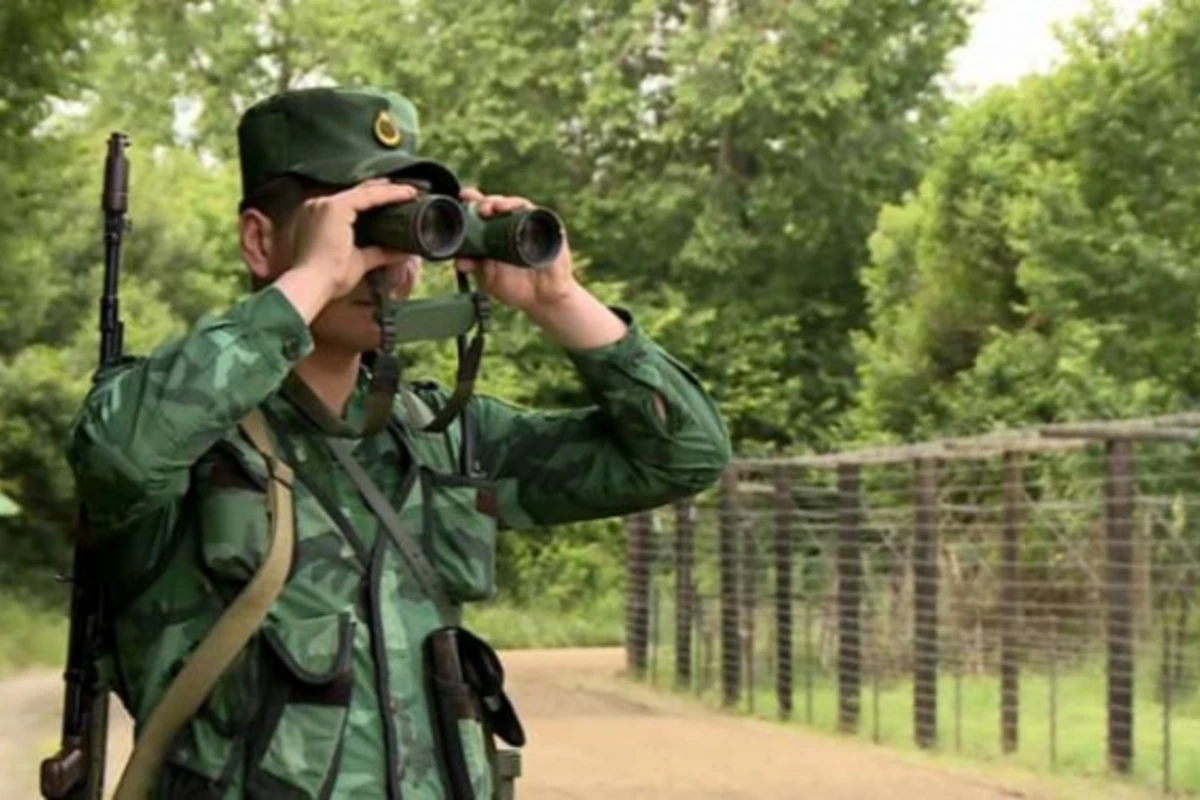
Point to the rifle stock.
(76, 771)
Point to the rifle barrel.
(76, 771)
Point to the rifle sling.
(228, 636)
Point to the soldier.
(181, 458)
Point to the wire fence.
(1034, 596)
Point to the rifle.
(76, 771)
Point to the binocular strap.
(469, 359)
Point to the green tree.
(1046, 267)
(42, 55)
(719, 164)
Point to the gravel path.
(591, 736)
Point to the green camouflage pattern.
(328, 701)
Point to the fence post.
(637, 604)
(731, 654)
(1167, 678)
(783, 591)
(683, 591)
(925, 603)
(1119, 557)
(849, 570)
(749, 594)
(1010, 601)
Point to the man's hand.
(325, 233)
(550, 296)
(524, 288)
(326, 264)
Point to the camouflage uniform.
(328, 700)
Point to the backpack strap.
(228, 636)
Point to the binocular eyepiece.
(438, 228)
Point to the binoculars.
(438, 228)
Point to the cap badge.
(386, 130)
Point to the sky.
(1013, 37)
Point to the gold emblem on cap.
(386, 130)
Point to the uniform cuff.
(270, 318)
(625, 375)
(624, 355)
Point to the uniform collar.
(313, 412)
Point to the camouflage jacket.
(328, 701)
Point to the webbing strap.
(227, 637)
(469, 359)
(409, 547)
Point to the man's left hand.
(550, 296)
(525, 288)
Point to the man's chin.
(350, 344)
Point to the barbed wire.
(1041, 605)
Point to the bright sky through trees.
(1014, 37)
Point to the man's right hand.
(326, 264)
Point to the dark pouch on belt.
(466, 681)
(485, 674)
(458, 659)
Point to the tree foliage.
(779, 191)
(1046, 267)
(719, 165)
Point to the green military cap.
(337, 137)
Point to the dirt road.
(593, 736)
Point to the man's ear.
(256, 236)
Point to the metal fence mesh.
(1038, 605)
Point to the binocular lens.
(538, 237)
(439, 227)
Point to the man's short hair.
(280, 197)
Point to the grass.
(599, 623)
(1065, 736)
(33, 634)
(1063, 719)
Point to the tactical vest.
(342, 643)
